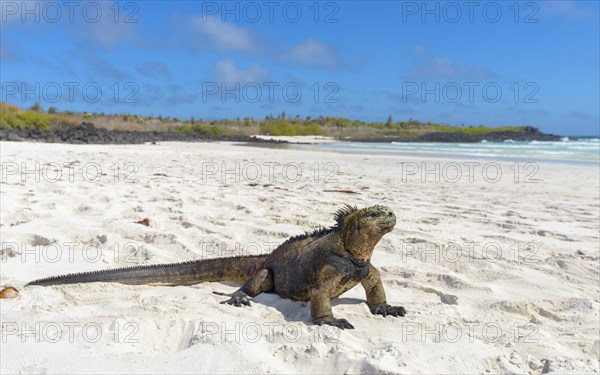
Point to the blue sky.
(471, 63)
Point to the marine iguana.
(315, 267)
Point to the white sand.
(473, 310)
(313, 139)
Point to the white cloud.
(7, 54)
(446, 68)
(565, 8)
(227, 71)
(105, 31)
(97, 24)
(153, 69)
(11, 12)
(312, 53)
(225, 36)
(420, 50)
(108, 33)
(98, 65)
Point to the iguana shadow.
(297, 311)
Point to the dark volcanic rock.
(86, 133)
(529, 134)
(490, 137)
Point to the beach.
(496, 262)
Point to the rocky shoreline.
(530, 134)
(87, 133)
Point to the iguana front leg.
(320, 312)
(261, 282)
(320, 303)
(376, 296)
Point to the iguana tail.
(239, 269)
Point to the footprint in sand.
(20, 217)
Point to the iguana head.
(361, 229)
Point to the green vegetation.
(283, 127)
(389, 121)
(12, 117)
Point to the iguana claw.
(238, 298)
(340, 323)
(385, 310)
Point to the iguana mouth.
(388, 223)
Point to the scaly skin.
(315, 267)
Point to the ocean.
(578, 150)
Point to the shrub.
(24, 119)
(11, 117)
(202, 129)
(282, 127)
(36, 107)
